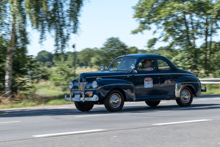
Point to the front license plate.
(77, 97)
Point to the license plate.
(77, 97)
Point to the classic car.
(135, 77)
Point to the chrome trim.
(190, 82)
(108, 76)
(114, 84)
(204, 90)
(165, 74)
(81, 99)
(115, 100)
(185, 96)
(145, 74)
(178, 88)
(85, 89)
(82, 86)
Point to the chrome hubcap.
(115, 100)
(185, 96)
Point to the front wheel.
(114, 101)
(84, 107)
(186, 98)
(152, 103)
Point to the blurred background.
(44, 44)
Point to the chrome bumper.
(204, 90)
(82, 99)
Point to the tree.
(44, 56)
(113, 48)
(56, 16)
(182, 23)
(86, 55)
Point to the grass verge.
(212, 88)
(32, 104)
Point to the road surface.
(136, 125)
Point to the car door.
(167, 85)
(146, 82)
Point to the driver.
(147, 65)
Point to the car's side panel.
(167, 84)
(143, 91)
(106, 85)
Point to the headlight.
(94, 84)
(70, 85)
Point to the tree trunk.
(9, 60)
(206, 45)
(187, 29)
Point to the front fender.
(190, 81)
(106, 85)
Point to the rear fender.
(188, 81)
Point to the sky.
(99, 20)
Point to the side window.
(163, 65)
(146, 65)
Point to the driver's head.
(147, 63)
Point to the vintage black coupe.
(135, 77)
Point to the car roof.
(141, 55)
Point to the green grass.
(212, 88)
(31, 104)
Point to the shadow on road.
(102, 110)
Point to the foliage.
(182, 23)
(58, 17)
(84, 57)
(112, 48)
(44, 56)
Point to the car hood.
(93, 75)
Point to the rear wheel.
(114, 101)
(84, 107)
(152, 103)
(186, 97)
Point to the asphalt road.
(136, 125)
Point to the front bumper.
(78, 98)
(204, 90)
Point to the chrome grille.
(82, 86)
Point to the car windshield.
(121, 64)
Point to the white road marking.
(69, 133)
(181, 122)
(8, 122)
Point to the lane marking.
(194, 107)
(92, 115)
(181, 122)
(7, 122)
(69, 133)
